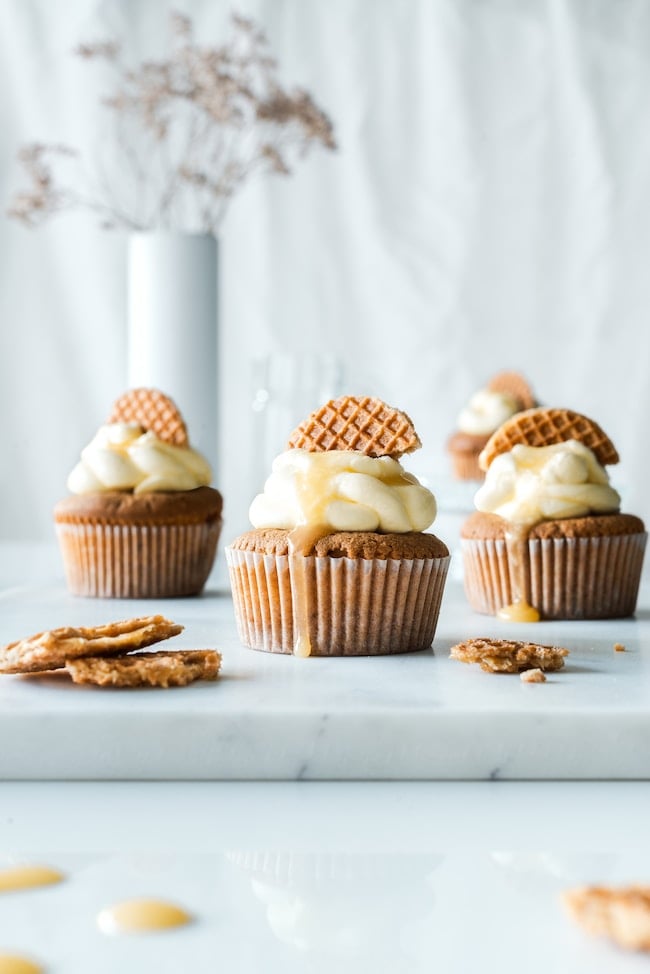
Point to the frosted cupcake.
(338, 563)
(141, 521)
(506, 394)
(548, 539)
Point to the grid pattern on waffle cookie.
(543, 427)
(363, 424)
(152, 410)
(513, 384)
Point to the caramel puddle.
(519, 610)
(28, 877)
(12, 964)
(141, 916)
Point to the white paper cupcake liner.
(356, 607)
(137, 561)
(566, 578)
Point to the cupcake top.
(344, 490)
(342, 473)
(547, 464)
(506, 394)
(143, 448)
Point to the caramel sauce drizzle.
(303, 538)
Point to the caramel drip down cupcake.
(549, 540)
(339, 563)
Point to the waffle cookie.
(165, 668)
(52, 649)
(358, 423)
(153, 411)
(621, 914)
(543, 427)
(509, 656)
(513, 384)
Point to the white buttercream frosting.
(343, 491)
(122, 456)
(539, 483)
(486, 411)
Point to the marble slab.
(419, 716)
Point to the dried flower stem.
(190, 131)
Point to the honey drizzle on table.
(519, 610)
(12, 880)
(13, 964)
(27, 877)
(141, 916)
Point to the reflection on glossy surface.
(343, 907)
(529, 868)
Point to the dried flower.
(189, 131)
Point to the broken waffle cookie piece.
(154, 412)
(360, 423)
(164, 668)
(543, 427)
(621, 914)
(509, 656)
(51, 650)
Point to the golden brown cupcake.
(506, 394)
(548, 538)
(142, 521)
(339, 563)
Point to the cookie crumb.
(509, 655)
(619, 648)
(532, 676)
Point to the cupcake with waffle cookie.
(142, 520)
(506, 393)
(548, 539)
(338, 563)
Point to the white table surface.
(316, 876)
(371, 878)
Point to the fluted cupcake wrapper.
(137, 561)
(465, 466)
(566, 578)
(355, 607)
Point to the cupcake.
(548, 539)
(338, 563)
(141, 521)
(506, 394)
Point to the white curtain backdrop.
(489, 208)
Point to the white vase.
(172, 323)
